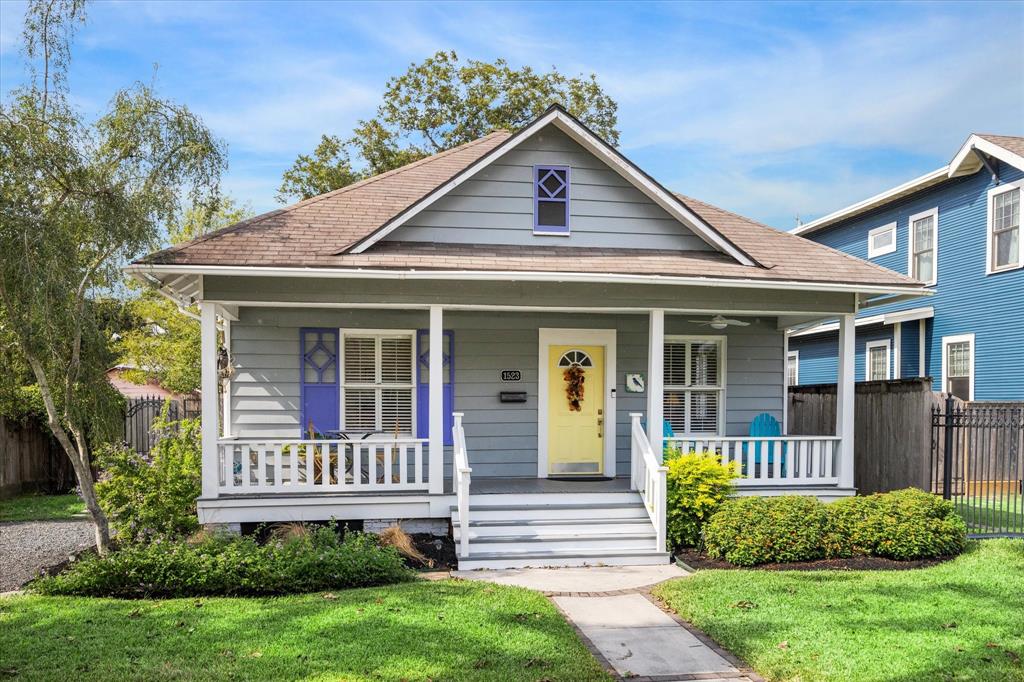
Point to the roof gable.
(556, 116)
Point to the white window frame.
(689, 339)
(377, 384)
(990, 268)
(887, 345)
(934, 213)
(958, 338)
(793, 355)
(872, 251)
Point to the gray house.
(507, 336)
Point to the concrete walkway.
(622, 624)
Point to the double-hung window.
(378, 383)
(876, 365)
(551, 200)
(695, 384)
(958, 365)
(924, 238)
(793, 368)
(1004, 248)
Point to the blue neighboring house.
(957, 228)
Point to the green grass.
(961, 620)
(450, 630)
(42, 508)
(992, 515)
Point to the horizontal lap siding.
(496, 206)
(501, 437)
(967, 299)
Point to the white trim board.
(596, 146)
(925, 312)
(548, 336)
(141, 269)
(990, 268)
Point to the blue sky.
(770, 110)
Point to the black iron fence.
(978, 463)
(141, 412)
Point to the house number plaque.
(511, 375)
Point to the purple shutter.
(318, 374)
(423, 387)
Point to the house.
(496, 337)
(957, 228)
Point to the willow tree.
(77, 199)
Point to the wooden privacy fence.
(31, 459)
(892, 429)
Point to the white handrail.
(650, 479)
(463, 474)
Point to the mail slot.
(512, 396)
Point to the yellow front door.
(575, 422)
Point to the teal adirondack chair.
(766, 426)
(666, 432)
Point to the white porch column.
(656, 382)
(845, 399)
(435, 447)
(208, 384)
(897, 349)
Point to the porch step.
(507, 531)
(563, 558)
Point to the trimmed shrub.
(213, 565)
(698, 483)
(757, 530)
(154, 497)
(903, 524)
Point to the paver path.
(610, 606)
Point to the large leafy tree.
(77, 199)
(161, 342)
(441, 103)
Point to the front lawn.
(961, 620)
(450, 630)
(42, 508)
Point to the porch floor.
(498, 486)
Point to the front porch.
(464, 429)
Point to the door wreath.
(574, 377)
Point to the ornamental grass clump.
(697, 485)
(224, 565)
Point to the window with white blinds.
(695, 384)
(378, 384)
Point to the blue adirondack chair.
(766, 426)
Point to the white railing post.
(462, 475)
(208, 383)
(656, 381)
(661, 509)
(635, 476)
(435, 417)
(845, 397)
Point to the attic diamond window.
(551, 200)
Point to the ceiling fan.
(719, 322)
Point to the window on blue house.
(1004, 246)
(924, 245)
(551, 200)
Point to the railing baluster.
(371, 464)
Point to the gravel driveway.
(27, 546)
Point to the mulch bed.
(698, 560)
(439, 550)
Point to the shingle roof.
(315, 232)
(1010, 142)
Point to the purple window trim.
(423, 387)
(327, 394)
(539, 174)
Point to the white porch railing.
(649, 478)
(286, 466)
(462, 475)
(781, 460)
